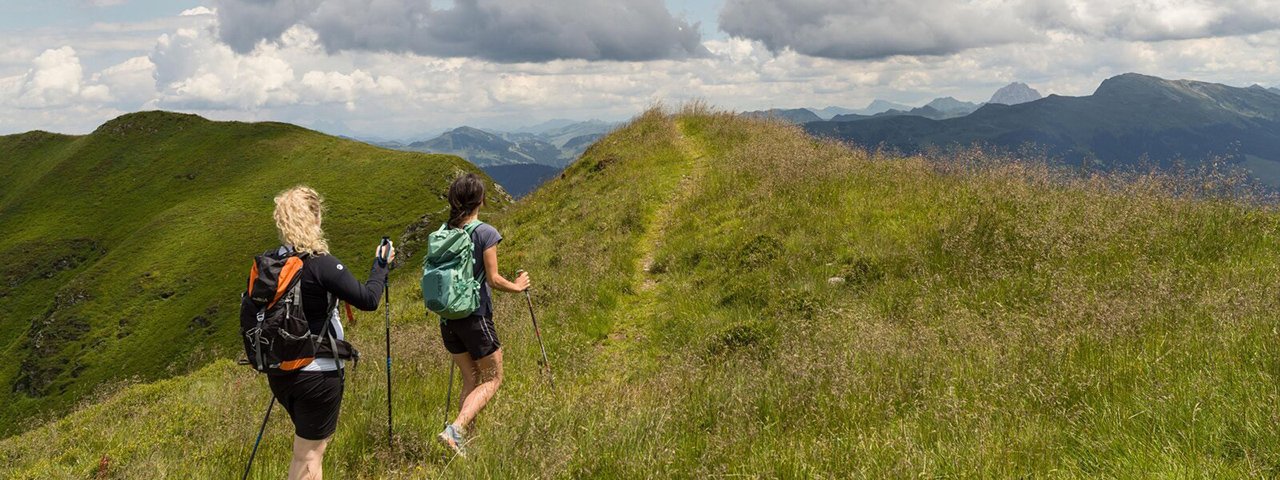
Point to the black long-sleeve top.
(325, 274)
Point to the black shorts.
(312, 400)
(474, 335)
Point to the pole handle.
(384, 256)
(526, 291)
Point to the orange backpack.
(277, 337)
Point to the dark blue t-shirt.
(484, 236)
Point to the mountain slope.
(1128, 118)
(1015, 93)
(561, 137)
(708, 313)
(951, 107)
(122, 247)
(518, 180)
(831, 111)
(797, 116)
(486, 149)
(881, 106)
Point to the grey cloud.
(499, 30)
(866, 29)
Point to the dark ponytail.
(466, 194)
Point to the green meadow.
(720, 297)
(126, 249)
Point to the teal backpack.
(449, 286)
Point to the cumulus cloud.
(193, 70)
(201, 10)
(497, 30)
(867, 29)
(55, 79)
(131, 82)
(338, 87)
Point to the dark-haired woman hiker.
(313, 395)
(472, 341)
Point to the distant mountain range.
(519, 160)
(554, 147)
(793, 115)
(938, 109)
(1129, 118)
(488, 149)
(876, 106)
(806, 115)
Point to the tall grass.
(730, 297)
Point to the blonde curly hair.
(298, 214)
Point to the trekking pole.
(259, 440)
(448, 398)
(386, 241)
(448, 395)
(538, 332)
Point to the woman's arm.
(339, 281)
(496, 280)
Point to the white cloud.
(55, 79)
(181, 63)
(201, 10)
(131, 82)
(194, 71)
(347, 89)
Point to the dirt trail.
(662, 219)
(637, 310)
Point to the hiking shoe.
(451, 437)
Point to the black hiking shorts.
(474, 335)
(312, 400)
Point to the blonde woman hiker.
(305, 372)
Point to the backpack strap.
(471, 228)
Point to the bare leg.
(487, 377)
(307, 459)
(467, 367)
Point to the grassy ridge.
(117, 243)
(731, 297)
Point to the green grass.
(123, 248)
(991, 320)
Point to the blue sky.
(81, 13)
(703, 11)
(346, 67)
